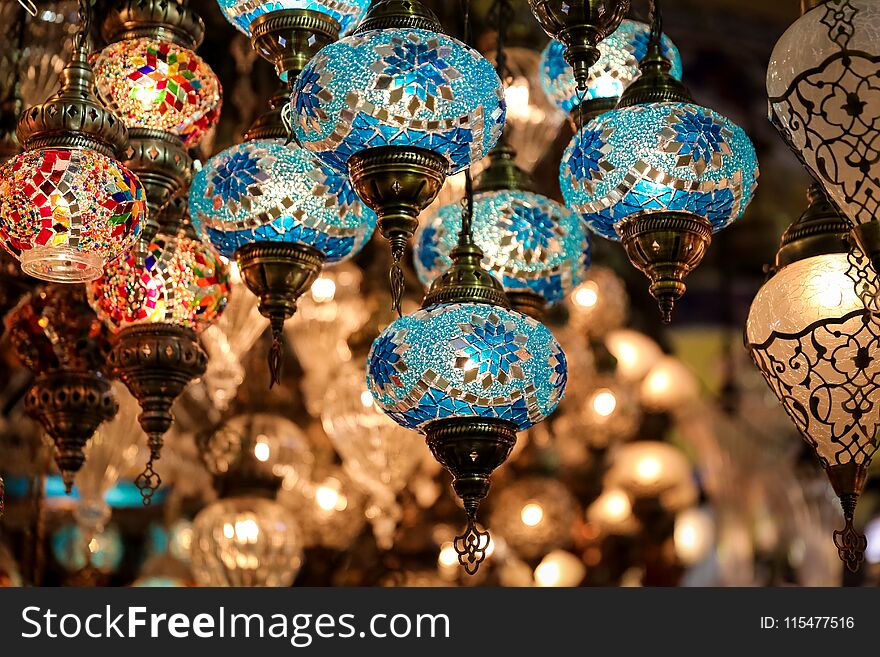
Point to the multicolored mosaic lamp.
(818, 347)
(468, 372)
(156, 299)
(617, 66)
(536, 247)
(281, 213)
(398, 105)
(661, 174)
(67, 206)
(167, 96)
(822, 88)
(579, 25)
(58, 338)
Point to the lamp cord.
(85, 26)
(465, 237)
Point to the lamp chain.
(85, 26)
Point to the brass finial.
(270, 124)
(819, 230)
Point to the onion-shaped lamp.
(156, 299)
(166, 95)
(282, 214)
(579, 25)
(821, 82)
(468, 372)
(618, 65)
(60, 339)
(817, 346)
(398, 106)
(67, 207)
(536, 247)
(660, 174)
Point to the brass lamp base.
(291, 37)
(397, 182)
(161, 163)
(278, 273)
(156, 362)
(666, 246)
(470, 449)
(848, 481)
(70, 406)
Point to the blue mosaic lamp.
(468, 372)
(661, 174)
(536, 247)
(398, 105)
(281, 213)
(243, 13)
(617, 66)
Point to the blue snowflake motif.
(555, 65)
(235, 174)
(338, 186)
(583, 162)
(383, 361)
(698, 135)
(533, 227)
(489, 351)
(307, 100)
(417, 69)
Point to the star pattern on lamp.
(238, 177)
(490, 350)
(386, 367)
(528, 231)
(588, 161)
(696, 138)
(415, 68)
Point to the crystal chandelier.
(816, 345)
(660, 174)
(156, 299)
(248, 538)
(281, 213)
(398, 106)
(58, 338)
(165, 94)
(821, 81)
(469, 373)
(66, 206)
(618, 65)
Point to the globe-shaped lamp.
(242, 13)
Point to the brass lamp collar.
(466, 281)
(399, 15)
(503, 172)
(270, 125)
(820, 230)
(655, 84)
(74, 117)
(166, 20)
(289, 38)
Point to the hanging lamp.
(155, 300)
(816, 344)
(618, 65)
(536, 247)
(398, 106)
(166, 95)
(67, 207)
(245, 14)
(661, 174)
(468, 372)
(820, 82)
(282, 214)
(579, 25)
(61, 340)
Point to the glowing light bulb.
(604, 402)
(559, 568)
(531, 514)
(648, 470)
(262, 451)
(246, 531)
(366, 398)
(587, 295)
(547, 574)
(693, 535)
(617, 505)
(517, 97)
(323, 290)
(448, 557)
(327, 498)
